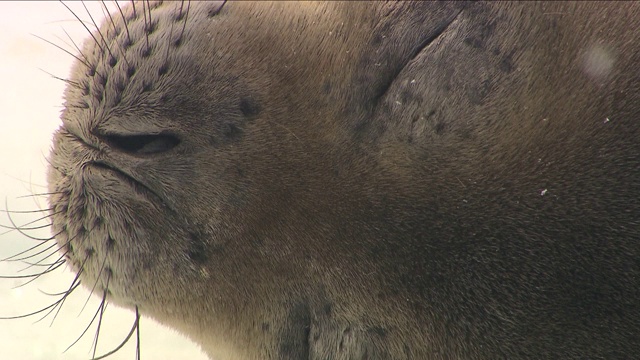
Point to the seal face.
(361, 180)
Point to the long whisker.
(63, 49)
(85, 26)
(86, 328)
(75, 45)
(40, 194)
(124, 20)
(31, 222)
(34, 276)
(13, 257)
(103, 305)
(94, 285)
(136, 328)
(108, 14)
(186, 17)
(39, 262)
(67, 81)
(72, 287)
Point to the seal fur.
(361, 180)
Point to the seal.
(350, 180)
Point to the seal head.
(361, 181)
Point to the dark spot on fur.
(294, 339)
(477, 93)
(151, 27)
(249, 107)
(326, 87)
(92, 71)
(130, 71)
(506, 64)
(232, 131)
(197, 251)
(126, 44)
(146, 52)
(214, 11)
(99, 96)
(265, 327)
(473, 42)
(102, 80)
(112, 61)
(164, 98)
(380, 331)
(327, 309)
(178, 42)
(147, 86)
(110, 242)
(163, 69)
(377, 40)
(346, 333)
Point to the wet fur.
(360, 180)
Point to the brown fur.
(363, 180)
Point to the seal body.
(361, 180)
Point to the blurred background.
(30, 103)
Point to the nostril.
(142, 144)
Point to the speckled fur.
(361, 180)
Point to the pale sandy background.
(30, 103)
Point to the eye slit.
(142, 144)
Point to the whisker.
(59, 261)
(63, 49)
(34, 276)
(166, 55)
(11, 228)
(31, 313)
(146, 25)
(31, 222)
(85, 26)
(186, 16)
(13, 258)
(75, 45)
(23, 211)
(98, 31)
(86, 328)
(108, 14)
(133, 5)
(136, 328)
(41, 194)
(67, 81)
(39, 262)
(103, 305)
(72, 287)
(124, 20)
(61, 300)
(137, 324)
(94, 285)
(59, 304)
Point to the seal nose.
(142, 144)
